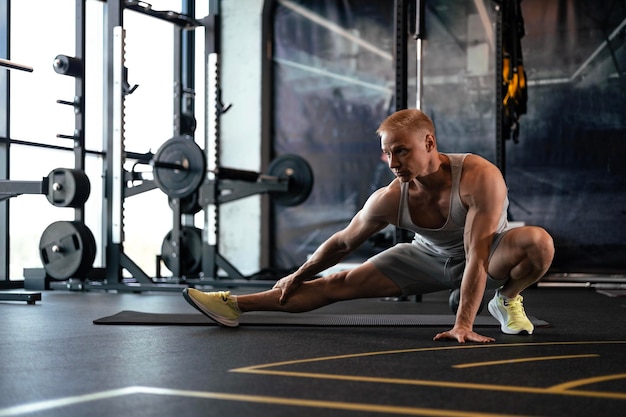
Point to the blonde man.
(455, 203)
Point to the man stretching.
(456, 204)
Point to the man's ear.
(430, 142)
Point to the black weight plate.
(67, 250)
(300, 176)
(182, 151)
(190, 251)
(68, 187)
(90, 248)
(188, 205)
(454, 299)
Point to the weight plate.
(190, 251)
(455, 299)
(68, 187)
(183, 152)
(67, 250)
(300, 176)
(188, 205)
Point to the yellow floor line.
(448, 384)
(521, 360)
(586, 381)
(561, 389)
(415, 350)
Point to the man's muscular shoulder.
(479, 175)
(383, 203)
(477, 166)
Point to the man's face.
(406, 153)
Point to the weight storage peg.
(67, 250)
(68, 187)
(67, 65)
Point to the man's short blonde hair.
(406, 120)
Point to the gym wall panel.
(333, 74)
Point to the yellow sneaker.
(510, 313)
(219, 306)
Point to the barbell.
(180, 168)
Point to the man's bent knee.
(542, 249)
(525, 250)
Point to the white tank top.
(447, 240)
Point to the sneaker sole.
(216, 318)
(495, 312)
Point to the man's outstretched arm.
(372, 218)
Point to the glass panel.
(458, 68)
(149, 122)
(146, 222)
(94, 68)
(35, 115)
(333, 85)
(567, 172)
(149, 109)
(93, 207)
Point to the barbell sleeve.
(236, 174)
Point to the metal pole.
(5, 132)
(419, 35)
(113, 62)
(210, 232)
(500, 148)
(401, 32)
(79, 100)
(401, 72)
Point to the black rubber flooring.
(56, 362)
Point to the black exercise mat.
(128, 317)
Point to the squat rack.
(115, 177)
(236, 182)
(116, 89)
(289, 178)
(292, 187)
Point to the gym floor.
(56, 362)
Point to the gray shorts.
(419, 272)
